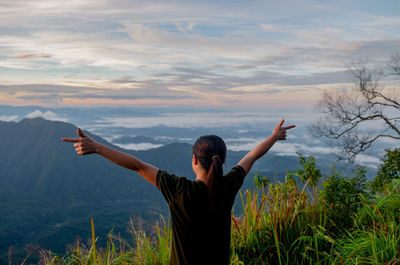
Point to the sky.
(201, 54)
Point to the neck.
(202, 176)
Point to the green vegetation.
(388, 171)
(305, 219)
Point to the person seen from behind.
(201, 209)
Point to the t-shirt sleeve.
(169, 185)
(234, 178)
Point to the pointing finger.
(289, 127)
(71, 140)
(80, 133)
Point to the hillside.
(48, 193)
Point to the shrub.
(343, 196)
(388, 171)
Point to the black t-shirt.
(201, 232)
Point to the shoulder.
(165, 178)
(234, 178)
(236, 171)
(171, 185)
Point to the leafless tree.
(355, 118)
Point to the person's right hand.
(280, 132)
(84, 145)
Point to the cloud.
(291, 149)
(282, 148)
(30, 56)
(193, 49)
(368, 160)
(242, 144)
(48, 115)
(8, 118)
(270, 28)
(138, 147)
(185, 28)
(188, 120)
(110, 91)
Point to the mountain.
(48, 193)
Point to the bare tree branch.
(394, 64)
(350, 116)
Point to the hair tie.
(215, 156)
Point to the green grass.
(298, 221)
(282, 226)
(270, 231)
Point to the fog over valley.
(143, 129)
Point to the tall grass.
(281, 226)
(153, 251)
(376, 236)
(292, 222)
(148, 250)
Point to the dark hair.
(210, 150)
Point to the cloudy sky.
(246, 53)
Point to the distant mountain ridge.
(48, 193)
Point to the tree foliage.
(309, 171)
(343, 195)
(356, 118)
(388, 171)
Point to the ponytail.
(210, 150)
(214, 177)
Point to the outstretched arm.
(85, 145)
(279, 133)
